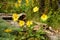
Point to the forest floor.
(51, 33)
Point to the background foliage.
(49, 7)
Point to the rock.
(53, 37)
(36, 27)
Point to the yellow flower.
(19, 1)
(35, 9)
(17, 5)
(8, 30)
(15, 17)
(21, 23)
(32, 2)
(27, 2)
(28, 23)
(44, 17)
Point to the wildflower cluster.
(18, 3)
(15, 17)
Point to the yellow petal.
(27, 2)
(7, 30)
(19, 1)
(17, 5)
(35, 9)
(15, 17)
(44, 17)
(21, 23)
(28, 23)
